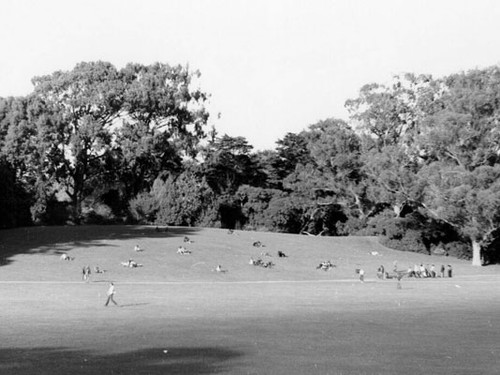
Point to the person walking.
(111, 293)
(361, 275)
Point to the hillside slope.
(33, 254)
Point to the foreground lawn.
(178, 316)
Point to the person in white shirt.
(111, 294)
(362, 275)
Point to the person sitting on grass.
(411, 272)
(65, 256)
(220, 269)
(137, 248)
(181, 250)
(325, 265)
(281, 254)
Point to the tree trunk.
(476, 253)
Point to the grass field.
(178, 316)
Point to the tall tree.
(462, 145)
(163, 119)
(229, 164)
(77, 111)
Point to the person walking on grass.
(362, 275)
(111, 293)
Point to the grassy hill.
(33, 254)
(178, 316)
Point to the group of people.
(131, 264)
(261, 263)
(183, 251)
(86, 273)
(325, 265)
(418, 271)
(426, 271)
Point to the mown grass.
(290, 319)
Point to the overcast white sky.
(272, 66)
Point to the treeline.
(418, 162)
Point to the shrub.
(143, 208)
(458, 249)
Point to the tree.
(290, 151)
(336, 151)
(462, 145)
(229, 164)
(163, 119)
(76, 112)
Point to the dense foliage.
(418, 162)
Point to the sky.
(270, 67)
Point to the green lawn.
(290, 319)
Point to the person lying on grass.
(325, 265)
(261, 263)
(131, 264)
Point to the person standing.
(87, 273)
(433, 271)
(111, 293)
(450, 270)
(361, 275)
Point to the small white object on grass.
(165, 351)
(457, 286)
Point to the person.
(399, 277)
(423, 272)
(410, 272)
(381, 272)
(87, 273)
(111, 293)
(65, 256)
(84, 273)
(450, 270)
(416, 270)
(433, 271)
(441, 273)
(362, 275)
(137, 248)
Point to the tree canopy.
(417, 162)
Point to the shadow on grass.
(56, 240)
(202, 360)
